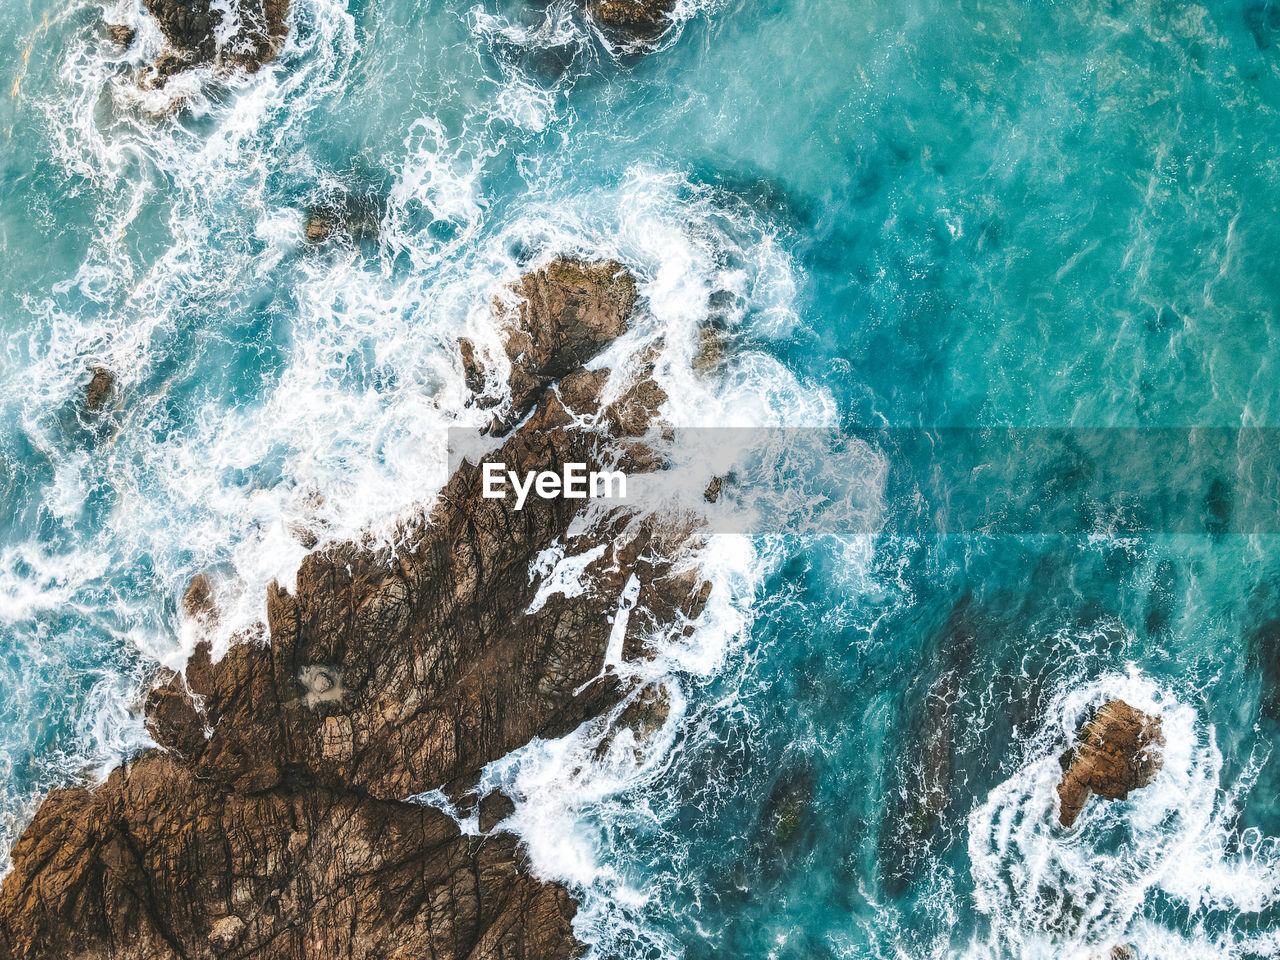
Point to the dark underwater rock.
(786, 814)
(358, 216)
(271, 822)
(1264, 656)
(1117, 751)
(923, 772)
(631, 21)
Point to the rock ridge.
(273, 821)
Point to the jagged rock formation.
(1117, 751)
(191, 29)
(120, 34)
(553, 321)
(631, 21)
(273, 821)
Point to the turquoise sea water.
(911, 215)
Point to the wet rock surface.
(273, 821)
(1116, 752)
(119, 34)
(196, 35)
(96, 394)
(921, 778)
(563, 316)
(631, 21)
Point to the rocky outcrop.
(272, 822)
(101, 383)
(1117, 751)
(120, 34)
(631, 21)
(555, 320)
(196, 34)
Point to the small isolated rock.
(100, 385)
(1117, 751)
(629, 21)
(244, 35)
(1123, 953)
(712, 493)
(226, 932)
(120, 34)
(357, 215)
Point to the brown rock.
(567, 312)
(494, 808)
(120, 34)
(1117, 751)
(197, 602)
(99, 389)
(276, 798)
(319, 227)
(355, 215)
(226, 932)
(472, 369)
(630, 21)
(712, 493)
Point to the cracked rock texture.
(1117, 751)
(273, 820)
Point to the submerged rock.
(787, 811)
(357, 216)
(1117, 751)
(99, 389)
(923, 769)
(271, 822)
(631, 21)
(196, 34)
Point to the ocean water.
(916, 215)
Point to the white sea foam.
(1074, 893)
